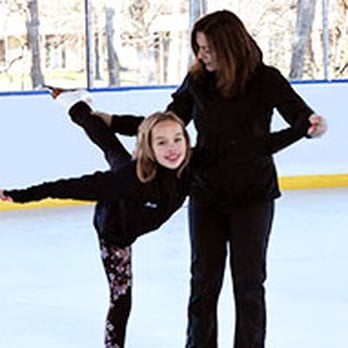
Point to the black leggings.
(243, 233)
(116, 260)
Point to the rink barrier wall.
(39, 143)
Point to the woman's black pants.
(243, 234)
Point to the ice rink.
(53, 292)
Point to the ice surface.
(53, 292)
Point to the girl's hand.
(318, 126)
(104, 116)
(3, 197)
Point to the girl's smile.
(169, 144)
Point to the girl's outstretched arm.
(4, 197)
(107, 118)
(123, 124)
(100, 186)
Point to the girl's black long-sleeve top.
(232, 163)
(132, 208)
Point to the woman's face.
(169, 144)
(205, 53)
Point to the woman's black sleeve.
(182, 101)
(293, 109)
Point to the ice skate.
(67, 97)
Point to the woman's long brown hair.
(237, 53)
(144, 154)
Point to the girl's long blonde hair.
(144, 154)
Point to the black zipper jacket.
(232, 163)
(130, 207)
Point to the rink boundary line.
(46, 203)
(313, 181)
(285, 183)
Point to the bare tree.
(97, 60)
(197, 9)
(33, 24)
(340, 40)
(113, 61)
(304, 22)
(141, 16)
(7, 62)
(154, 38)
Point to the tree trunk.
(97, 50)
(34, 44)
(340, 40)
(198, 8)
(113, 61)
(304, 22)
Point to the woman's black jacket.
(232, 163)
(131, 208)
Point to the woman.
(134, 198)
(230, 95)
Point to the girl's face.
(168, 144)
(205, 53)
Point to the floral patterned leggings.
(116, 260)
(117, 265)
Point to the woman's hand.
(318, 126)
(104, 116)
(3, 197)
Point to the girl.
(135, 197)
